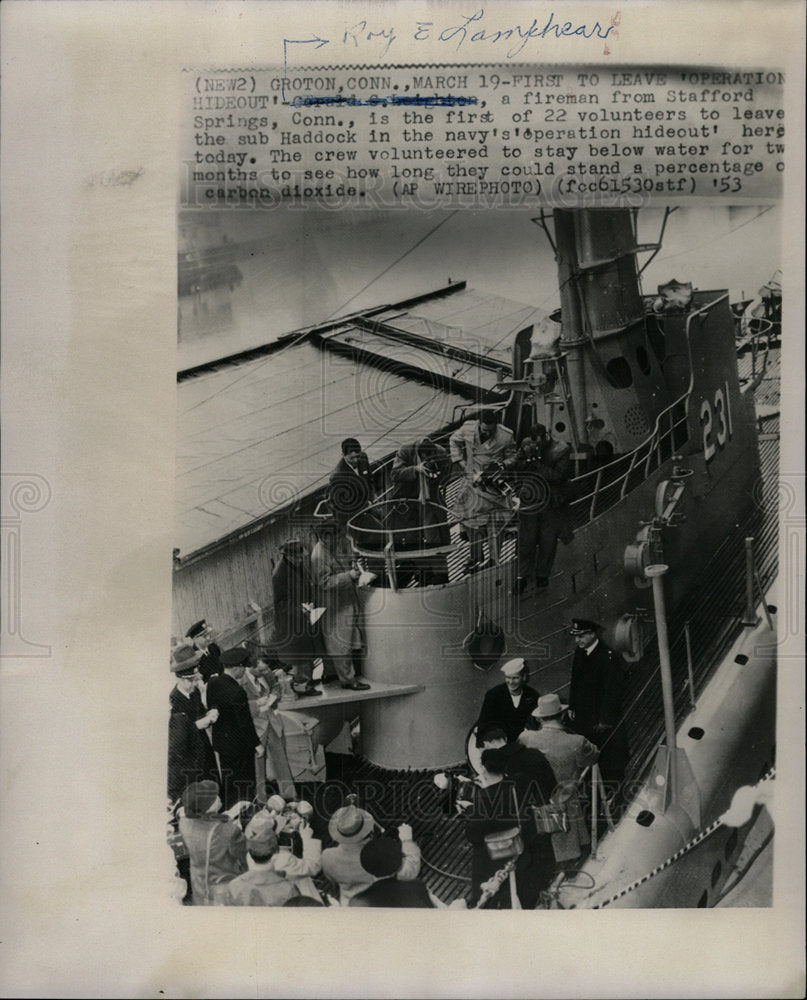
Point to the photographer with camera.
(481, 449)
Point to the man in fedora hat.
(262, 884)
(351, 828)
(596, 691)
(569, 755)
(190, 756)
(234, 736)
(511, 703)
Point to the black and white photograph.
(402, 499)
(491, 549)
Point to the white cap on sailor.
(513, 667)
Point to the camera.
(458, 788)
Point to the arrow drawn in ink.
(316, 41)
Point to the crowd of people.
(243, 836)
(241, 833)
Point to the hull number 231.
(716, 422)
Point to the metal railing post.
(656, 574)
(750, 618)
(389, 559)
(690, 674)
(595, 780)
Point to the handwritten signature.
(471, 29)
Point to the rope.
(671, 860)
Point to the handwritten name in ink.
(476, 29)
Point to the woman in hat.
(494, 810)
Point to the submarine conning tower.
(645, 391)
(605, 375)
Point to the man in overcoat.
(335, 578)
(478, 446)
(351, 485)
(264, 691)
(297, 640)
(569, 754)
(596, 693)
(419, 473)
(234, 736)
(190, 756)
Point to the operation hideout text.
(510, 134)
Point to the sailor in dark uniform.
(595, 700)
(190, 756)
(201, 635)
(510, 704)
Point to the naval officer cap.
(513, 667)
(581, 625)
(196, 629)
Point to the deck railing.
(598, 490)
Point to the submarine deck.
(713, 611)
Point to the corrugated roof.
(256, 434)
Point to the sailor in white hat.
(510, 704)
